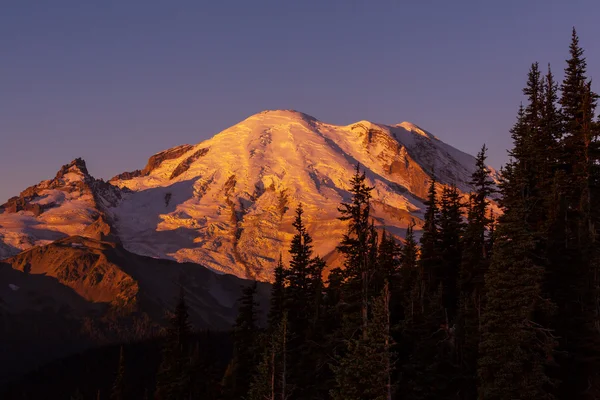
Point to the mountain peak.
(288, 114)
(76, 168)
(409, 126)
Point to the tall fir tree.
(172, 380)
(430, 245)
(474, 264)
(450, 234)
(270, 380)
(357, 248)
(277, 303)
(365, 372)
(575, 266)
(515, 348)
(303, 290)
(242, 367)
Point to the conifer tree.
(277, 305)
(357, 247)
(575, 256)
(388, 262)
(428, 370)
(450, 233)
(430, 243)
(514, 347)
(118, 388)
(270, 381)
(242, 367)
(172, 381)
(303, 292)
(365, 372)
(404, 291)
(474, 264)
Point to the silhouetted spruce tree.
(364, 373)
(474, 264)
(172, 380)
(428, 371)
(303, 293)
(514, 347)
(388, 262)
(246, 354)
(430, 260)
(118, 391)
(332, 334)
(357, 248)
(277, 305)
(270, 380)
(450, 234)
(408, 276)
(574, 280)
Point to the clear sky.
(115, 81)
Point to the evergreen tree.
(575, 252)
(172, 381)
(428, 371)
(388, 262)
(474, 264)
(118, 388)
(357, 248)
(303, 302)
(430, 244)
(364, 373)
(270, 381)
(450, 233)
(242, 368)
(277, 305)
(514, 347)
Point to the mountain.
(78, 292)
(227, 202)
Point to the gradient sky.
(115, 81)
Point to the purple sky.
(116, 81)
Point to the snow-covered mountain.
(228, 202)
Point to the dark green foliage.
(364, 372)
(476, 249)
(358, 246)
(246, 356)
(270, 380)
(303, 300)
(388, 262)
(277, 305)
(515, 348)
(172, 381)
(574, 245)
(430, 242)
(451, 247)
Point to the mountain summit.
(227, 202)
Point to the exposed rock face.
(73, 202)
(154, 162)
